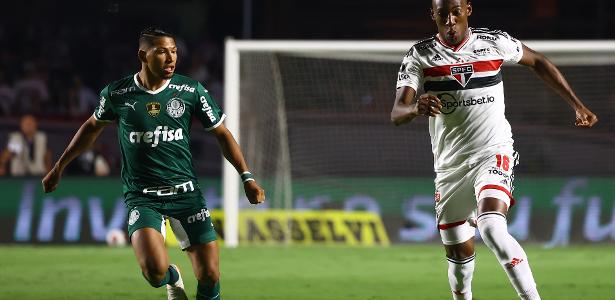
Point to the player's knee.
(492, 204)
(154, 273)
(460, 251)
(209, 276)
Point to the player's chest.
(478, 52)
(143, 109)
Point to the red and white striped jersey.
(468, 81)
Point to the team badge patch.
(153, 108)
(176, 107)
(462, 73)
(134, 216)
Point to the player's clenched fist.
(585, 118)
(428, 105)
(51, 180)
(254, 192)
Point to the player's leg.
(459, 245)
(205, 263)
(492, 225)
(145, 228)
(493, 190)
(193, 228)
(454, 205)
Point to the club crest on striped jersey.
(462, 73)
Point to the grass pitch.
(398, 272)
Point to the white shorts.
(458, 192)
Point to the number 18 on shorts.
(458, 192)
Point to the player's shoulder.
(183, 79)
(183, 83)
(121, 86)
(493, 35)
(422, 46)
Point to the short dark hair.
(149, 34)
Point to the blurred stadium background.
(334, 153)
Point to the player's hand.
(52, 179)
(585, 118)
(254, 192)
(428, 105)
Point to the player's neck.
(456, 44)
(150, 81)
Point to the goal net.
(313, 121)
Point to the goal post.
(308, 115)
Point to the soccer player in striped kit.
(459, 71)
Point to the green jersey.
(154, 132)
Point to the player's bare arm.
(550, 74)
(232, 153)
(83, 139)
(406, 107)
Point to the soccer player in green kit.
(154, 110)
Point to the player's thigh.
(145, 226)
(191, 221)
(495, 180)
(455, 204)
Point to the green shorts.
(188, 216)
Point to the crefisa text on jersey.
(183, 87)
(207, 109)
(153, 137)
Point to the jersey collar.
(160, 89)
(455, 48)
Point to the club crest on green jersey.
(134, 216)
(153, 108)
(176, 107)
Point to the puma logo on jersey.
(131, 105)
(154, 137)
(183, 87)
(436, 57)
(462, 73)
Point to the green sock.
(204, 292)
(170, 277)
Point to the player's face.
(161, 57)
(451, 17)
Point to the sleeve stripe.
(217, 124)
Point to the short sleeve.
(410, 73)
(104, 111)
(510, 48)
(207, 110)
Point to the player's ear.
(469, 8)
(142, 56)
(431, 14)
